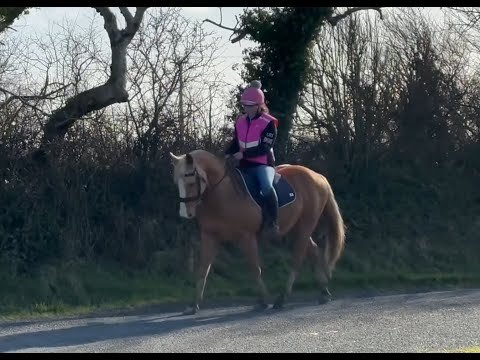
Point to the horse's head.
(191, 180)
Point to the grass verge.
(82, 289)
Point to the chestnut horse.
(209, 192)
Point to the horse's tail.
(334, 231)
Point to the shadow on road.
(158, 322)
(96, 331)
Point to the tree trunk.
(113, 91)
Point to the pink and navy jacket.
(255, 138)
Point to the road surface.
(422, 322)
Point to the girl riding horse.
(252, 145)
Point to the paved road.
(425, 322)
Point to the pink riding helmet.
(253, 95)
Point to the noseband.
(199, 194)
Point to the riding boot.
(270, 213)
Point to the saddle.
(285, 193)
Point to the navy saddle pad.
(284, 190)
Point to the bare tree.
(206, 111)
(464, 26)
(47, 69)
(374, 85)
(171, 62)
(241, 28)
(346, 91)
(114, 89)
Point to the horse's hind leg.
(250, 247)
(300, 236)
(322, 272)
(208, 250)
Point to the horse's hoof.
(325, 296)
(279, 303)
(323, 299)
(277, 306)
(191, 310)
(260, 307)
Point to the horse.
(209, 192)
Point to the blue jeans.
(265, 175)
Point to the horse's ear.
(175, 159)
(189, 159)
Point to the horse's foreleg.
(208, 250)
(250, 247)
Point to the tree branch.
(139, 15)
(25, 98)
(315, 118)
(133, 23)
(333, 20)
(110, 23)
(113, 91)
(220, 25)
(241, 33)
(127, 15)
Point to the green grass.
(80, 289)
(473, 349)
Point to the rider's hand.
(238, 155)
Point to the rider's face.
(251, 110)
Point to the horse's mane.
(228, 167)
(203, 156)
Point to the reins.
(199, 194)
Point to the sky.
(233, 52)
(41, 19)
